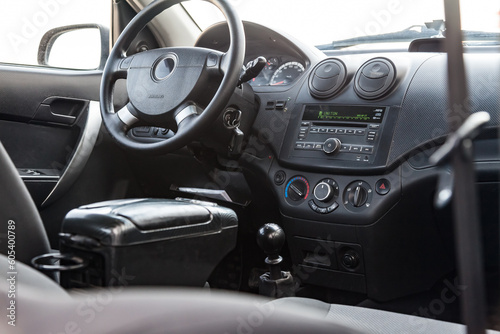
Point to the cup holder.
(57, 262)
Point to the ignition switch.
(231, 120)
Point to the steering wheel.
(170, 87)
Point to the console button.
(314, 130)
(345, 148)
(323, 130)
(375, 126)
(308, 146)
(304, 124)
(350, 132)
(332, 207)
(383, 186)
(360, 132)
(372, 133)
(279, 177)
(368, 149)
(299, 146)
(321, 210)
(370, 139)
(312, 205)
(332, 130)
(302, 135)
(303, 130)
(341, 131)
(318, 146)
(355, 148)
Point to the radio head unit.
(351, 134)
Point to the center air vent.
(374, 78)
(327, 78)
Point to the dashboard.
(343, 142)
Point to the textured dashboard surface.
(423, 116)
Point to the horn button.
(159, 83)
(164, 68)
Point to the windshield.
(361, 22)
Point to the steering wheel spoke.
(119, 68)
(126, 115)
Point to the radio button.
(308, 146)
(302, 136)
(304, 124)
(318, 146)
(355, 148)
(375, 126)
(314, 130)
(331, 145)
(303, 130)
(368, 149)
(345, 148)
(350, 132)
(372, 133)
(332, 130)
(299, 146)
(370, 139)
(341, 131)
(360, 132)
(323, 130)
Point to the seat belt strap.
(465, 208)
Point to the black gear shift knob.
(275, 283)
(271, 239)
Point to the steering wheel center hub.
(164, 67)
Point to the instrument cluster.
(279, 71)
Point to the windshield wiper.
(405, 35)
(429, 30)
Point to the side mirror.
(80, 46)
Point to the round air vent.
(327, 78)
(374, 78)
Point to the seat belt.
(461, 188)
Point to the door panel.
(44, 116)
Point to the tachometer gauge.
(287, 73)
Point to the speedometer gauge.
(287, 73)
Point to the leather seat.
(16, 205)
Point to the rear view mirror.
(81, 46)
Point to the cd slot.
(338, 124)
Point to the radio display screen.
(361, 114)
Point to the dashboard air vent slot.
(327, 78)
(374, 78)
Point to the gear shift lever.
(275, 283)
(271, 239)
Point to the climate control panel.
(336, 198)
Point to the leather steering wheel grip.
(229, 66)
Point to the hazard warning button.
(382, 187)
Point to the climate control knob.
(331, 145)
(323, 192)
(297, 189)
(358, 196)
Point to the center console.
(334, 185)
